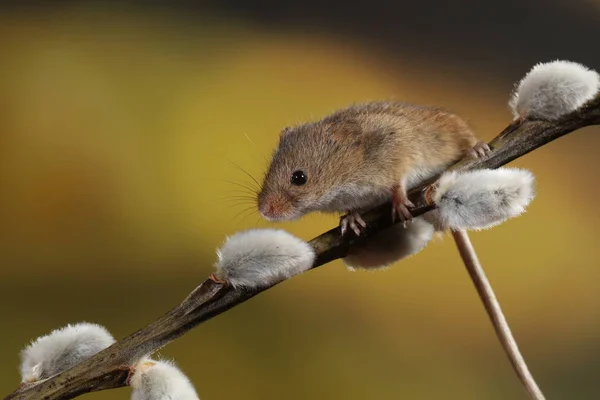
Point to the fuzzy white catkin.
(390, 245)
(161, 380)
(551, 90)
(471, 200)
(62, 349)
(261, 257)
(481, 199)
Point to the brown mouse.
(359, 157)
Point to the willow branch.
(492, 307)
(105, 370)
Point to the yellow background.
(120, 132)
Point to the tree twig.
(492, 307)
(105, 369)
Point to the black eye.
(299, 178)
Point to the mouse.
(359, 157)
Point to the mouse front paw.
(353, 221)
(481, 149)
(400, 205)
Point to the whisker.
(243, 202)
(235, 196)
(238, 200)
(247, 173)
(258, 220)
(263, 155)
(244, 186)
(241, 195)
(237, 203)
(249, 211)
(237, 191)
(248, 137)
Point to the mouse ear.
(345, 130)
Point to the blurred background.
(125, 128)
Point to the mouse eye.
(299, 178)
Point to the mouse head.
(310, 166)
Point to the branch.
(107, 369)
(492, 306)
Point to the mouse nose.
(265, 208)
(271, 207)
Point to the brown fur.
(355, 157)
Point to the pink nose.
(266, 209)
(271, 207)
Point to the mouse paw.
(353, 221)
(401, 211)
(400, 204)
(481, 149)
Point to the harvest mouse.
(360, 157)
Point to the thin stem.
(492, 306)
